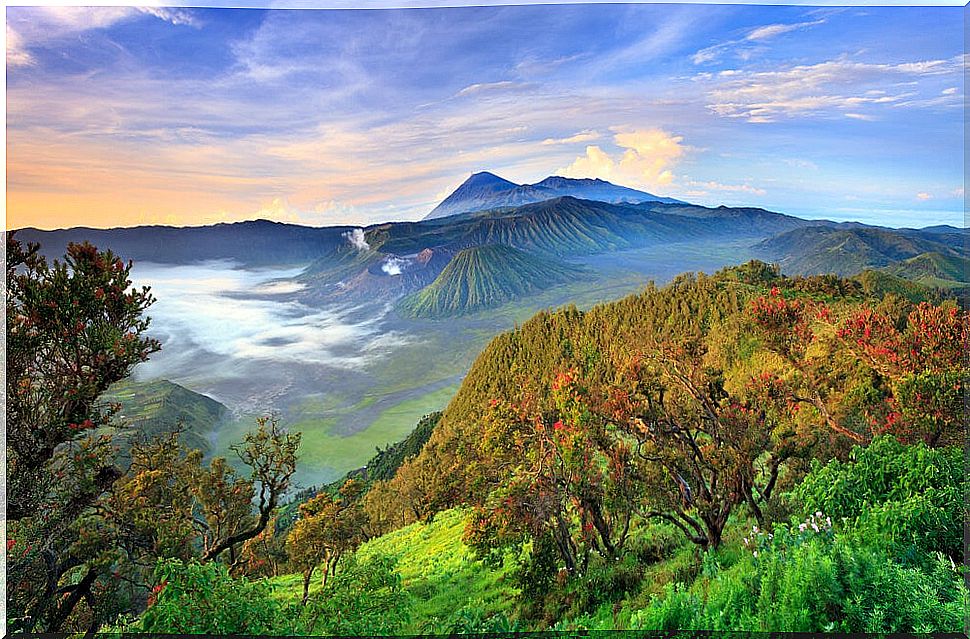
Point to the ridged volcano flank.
(485, 276)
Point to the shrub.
(194, 598)
(364, 598)
(799, 579)
(911, 500)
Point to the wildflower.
(756, 553)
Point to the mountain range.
(484, 191)
(493, 241)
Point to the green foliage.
(438, 570)
(328, 528)
(935, 269)
(194, 598)
(754, 273)
(365, 598)
(909, 499)
(799, 582)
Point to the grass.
(439, 571)
(326, 454)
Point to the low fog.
(241, 337)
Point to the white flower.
(756, 553)
(818, 513)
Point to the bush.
(910, 500)
(365, 597)
(807, 578)
(194, 598)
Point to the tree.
(271, 454)
(169, 505)
(328, 528)
(560, 476)
(922, 368)
(73, 328)
(868, 370)
(702, 450)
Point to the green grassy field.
(439, 572)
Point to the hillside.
(448, 587)
(570, 226)
(485, 191)
(152, 408)
(846, 251)
(934, 269)
(385, 462)
(483, 277)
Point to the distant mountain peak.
(487, 177)
(485, 190)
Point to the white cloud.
(645, 159)
(835, 87)
(49, 23)
(923, 195)
(582, 136)
(701, 188)
(950, 91)
(742, 47)
(488, 87)
(957, 192)
(17, 56)
(174, 16)
(772, 30)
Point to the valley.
(350, 378)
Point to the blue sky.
(123, 116)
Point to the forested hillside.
(737, 451)
(667, 461)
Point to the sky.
(120, 116)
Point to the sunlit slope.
(934, 269)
